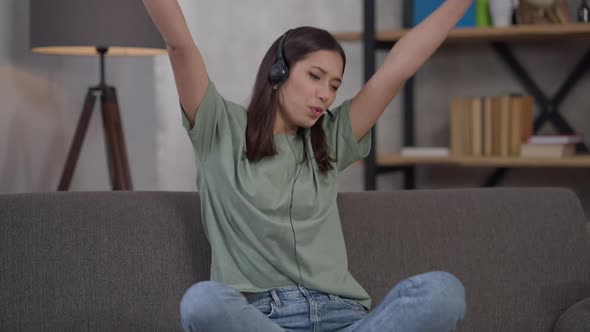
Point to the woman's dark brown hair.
(262, 109)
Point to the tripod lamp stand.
(103, 28)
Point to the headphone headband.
(281, 50)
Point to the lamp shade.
(80, 26)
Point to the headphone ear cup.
(279, 72)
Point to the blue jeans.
(432, 301)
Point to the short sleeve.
(210, 120)
(344, 145)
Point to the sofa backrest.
(121, 261)
(98, 261)
(523, 254)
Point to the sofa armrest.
(575, 319)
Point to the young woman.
(268, 184)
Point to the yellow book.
(477, 126)
(467, 132)
(516, 120)
(488, 134)
(505, 126)
(456, 128)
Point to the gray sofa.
(120, 261)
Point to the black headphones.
(279, 71)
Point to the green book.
(482, 13)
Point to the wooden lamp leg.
(113, 133)
(115, 142)
(74, 153)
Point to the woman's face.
(309, 91)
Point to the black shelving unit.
(371, 46)
(548, 106)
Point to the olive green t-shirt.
(257, 241)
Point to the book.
(505, 125)
(490, 125)
(482, 13)
(555, 139)
(477, 126)
(415, 151)
(521, 121)
(456, 130)
(529, 150)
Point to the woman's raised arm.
(190, 73)
(402, 62)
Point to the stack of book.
(550, 146)
(490, 125)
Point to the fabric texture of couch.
(121, 261)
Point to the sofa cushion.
(575, 319)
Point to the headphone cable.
(298, 167)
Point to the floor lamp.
(103, 28)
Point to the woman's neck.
(282, 128)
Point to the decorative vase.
(501, 12)
(584, 12)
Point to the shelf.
(582, 160)
(518, 32)
(499, 40)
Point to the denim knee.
(447, 295)
(198, 305)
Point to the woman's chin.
(308, 124)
